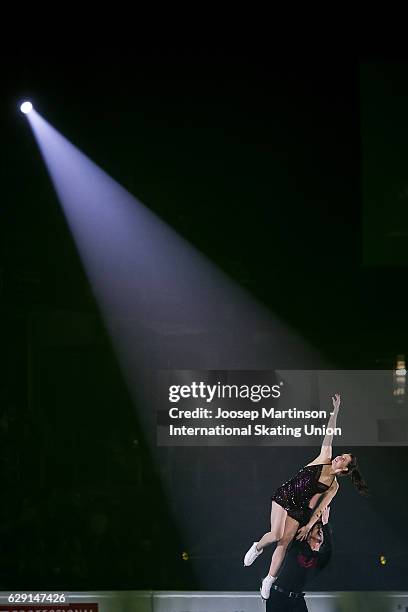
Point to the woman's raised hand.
(336, 401)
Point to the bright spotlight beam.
(163, 302)
(26, 107)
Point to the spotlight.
(26, 107)
(383, 560)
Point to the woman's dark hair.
(356, 477)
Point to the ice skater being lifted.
(298, 504)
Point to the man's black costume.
(301, 565)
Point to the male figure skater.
(303, 561)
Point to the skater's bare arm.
(326, 449)
(319, 511)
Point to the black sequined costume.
(294, 496)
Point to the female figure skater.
(292, 503)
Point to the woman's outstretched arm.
(326, 449)
(318, 511)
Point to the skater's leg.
(291, 527)
(278, 519)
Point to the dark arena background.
(260, 224)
